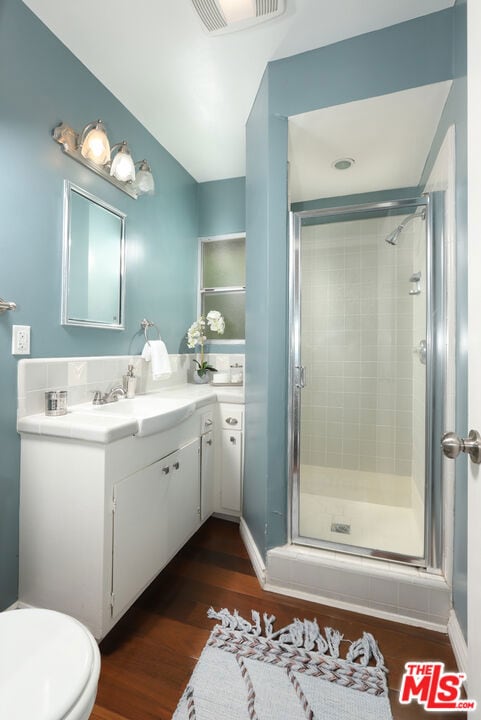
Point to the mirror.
(93, 261)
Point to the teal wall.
(407, 55)
(222, 207)
(41, 84)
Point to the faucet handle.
(98, 398)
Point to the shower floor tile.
(364, 511)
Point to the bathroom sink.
(153, 413)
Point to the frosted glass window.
(223, 263)
(232, 306)
(222, 284)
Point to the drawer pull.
(231, 421)
(176, 465)
(166, 470)
(208, 423)
(209, 442)
(233, 440)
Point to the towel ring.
(145, 325)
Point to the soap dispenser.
(131, 382)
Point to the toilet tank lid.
(46, 661)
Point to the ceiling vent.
(223, 16)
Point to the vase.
(201, 379)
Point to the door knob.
(452, 445)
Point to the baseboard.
(225, 516)
(13, 606)
(254, 555)
(460, 648)
(17, 605)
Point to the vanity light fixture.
(94, 143)
(122, 166)
(144, 180)
(91, 148)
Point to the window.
(222, 284)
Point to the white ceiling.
(389, 138)
(193, 91)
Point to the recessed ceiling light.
(343, 163)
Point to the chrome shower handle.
(422, 351)
(301, 382)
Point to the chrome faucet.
(108, 397)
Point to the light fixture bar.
(99, 170)
(69, 141)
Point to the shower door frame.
(435, 380)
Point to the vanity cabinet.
(139, 532)
(231, 459)
(207, 474)
(99, 521)
(155, 511)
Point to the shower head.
(393, 236)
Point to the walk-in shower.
(362, 379)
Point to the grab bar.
(4, 306)
(145, 324)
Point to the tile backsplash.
(82, 376)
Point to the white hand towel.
(156, 353)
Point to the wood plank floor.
(148, 657)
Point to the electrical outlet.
(20, 339)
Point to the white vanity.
(108, 498)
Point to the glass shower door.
(362, 301)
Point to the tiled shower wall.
(357, 346)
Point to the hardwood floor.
(148, 657)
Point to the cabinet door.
(207, 476)
(231, 474)
(138, 525)
(183, 498)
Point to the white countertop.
(153, 413)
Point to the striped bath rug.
(249, 671)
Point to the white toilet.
(49, 666)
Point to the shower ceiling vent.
(223, 16)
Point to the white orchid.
(216, 321)
(196, 336)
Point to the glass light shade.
(122, 166)
(145, 181)
(96, 146)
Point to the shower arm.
(409, 218)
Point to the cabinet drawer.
(231, 417)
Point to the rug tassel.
(365, 648)
(302, 634)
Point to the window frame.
(226, 289)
